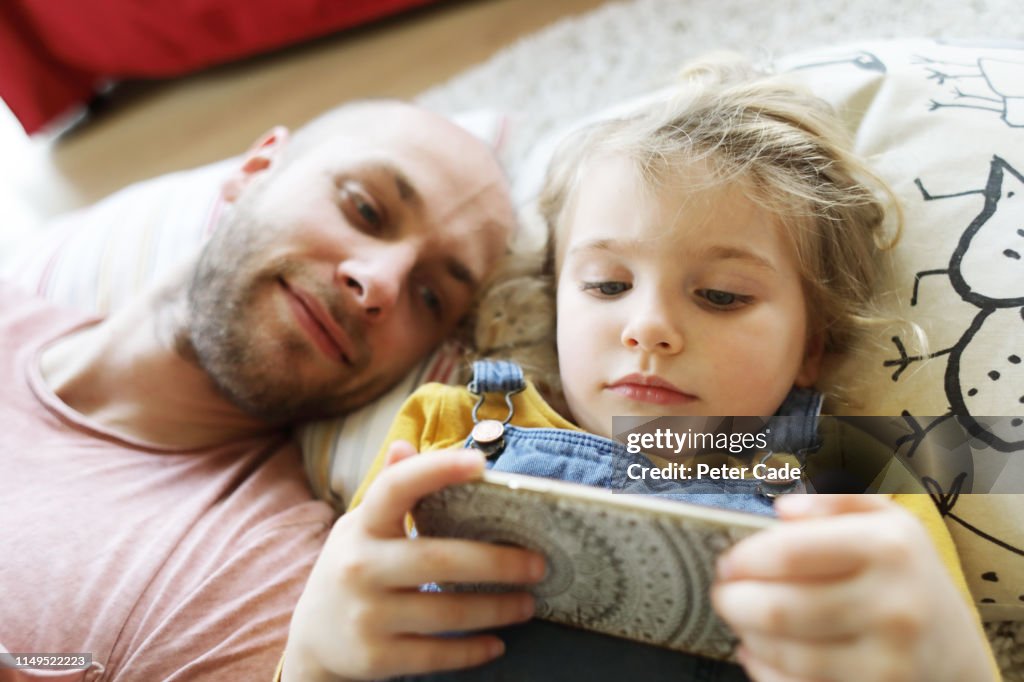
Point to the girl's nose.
(652, 329)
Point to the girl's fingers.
(814, 610)
(424, 613)
(397, 488)
(399, 450)
(407, 564)
(811, 506)
(864, 658)
(801, 659)
(819, 548)
(762, 671)
(414, 654)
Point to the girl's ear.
(261, 156)
(810, 369)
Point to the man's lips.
(326, 334)
(649, 389)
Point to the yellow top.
(438, 417)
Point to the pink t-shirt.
(163, 565)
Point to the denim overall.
(541, 650)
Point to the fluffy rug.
(587, 63)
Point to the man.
(154, 510)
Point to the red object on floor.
(54, 53)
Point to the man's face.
(331, 275)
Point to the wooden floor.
(155, 128)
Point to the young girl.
(707, 255)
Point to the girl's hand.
(850, 588)
(362, 616)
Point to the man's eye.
(431, 300)
(365, 212)
(722, 299)
(607, 288)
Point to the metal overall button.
(488, 435)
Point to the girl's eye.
(431, 300)
(607, 288)
(722, 299)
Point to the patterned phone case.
(625, 565)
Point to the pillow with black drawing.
(943, 124)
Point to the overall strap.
(794, 428)
(496, 376)
(493, 376)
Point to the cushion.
(57, 53)
(943, 125)
(940, 122)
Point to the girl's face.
(676, 302)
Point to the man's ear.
(261, 156)
(810, 369)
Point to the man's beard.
(254, 372)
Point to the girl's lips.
(652, 394)
(649, 389)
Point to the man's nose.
(374, 280)
(652, 328)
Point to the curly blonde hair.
(789, 152)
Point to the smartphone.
(633, 566)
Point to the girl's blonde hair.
(790, 153)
